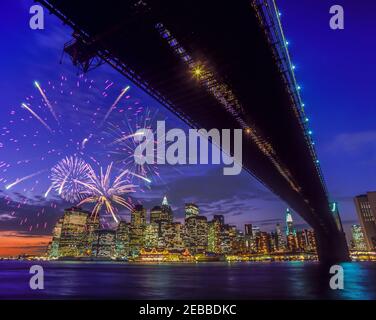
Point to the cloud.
(354, 142)
(6, 217)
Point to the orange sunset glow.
(13, 243)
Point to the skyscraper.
(53, 251)
(358, 240)
(191, 210)
(155, 214)
(105, 246)
(366, 208)
(196, 234)
(73, 236)
(280, 239)
(167, 214)
(137, 228)
(214, 236)
(289, 223)
(122, 240)
(151, 236)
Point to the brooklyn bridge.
(216, 64)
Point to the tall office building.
(191, 210)
(264, 243)
(73, 238)
(228, 235)
(289, 223)
(220, 218)
(151, 236)
(167, 214)
(105, 246)
(358, 240)
(122, 240)
(280, 238)
(173, 236)
(137, 228)
(214, 236)
(53, 251)
(196, 234)
(306, 241)
(156, 214)
(92, 226)
(366, 208)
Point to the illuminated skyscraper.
(191, 210)
(289, 223)
(214, 236)
(137, 228)
(151, 236)
(366, 208)
(264, 243)
(196, 234)
(280, 238)
(167, 214)
(92, 226)
(173, 236)
(228, 235)
(122, 240)
(358, 240)
(53, 251)
(105, 246)
(73, 238)
(156, 214)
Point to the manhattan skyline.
(346, 154)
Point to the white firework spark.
(65, 176)
(105, 192)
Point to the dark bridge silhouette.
(216, 64)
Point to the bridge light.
(280, 13)
(197, 72)
(310, 132)
(303, 105)
(299, 87)
(306, 119)
(293, 67)
(287, 43)
(317, 161)
(248, 130)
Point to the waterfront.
(213, 280)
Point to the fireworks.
(47, 144)
(25, 106)
(115, 103)
(48, 103)
(105, 192)
(124, 144)
(65, 176)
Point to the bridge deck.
(226, 40)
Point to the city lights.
(161, 239)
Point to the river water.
(212, 280)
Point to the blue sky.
(335, 68)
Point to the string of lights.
(270, 19)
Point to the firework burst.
(106, 192)
(57, 124)
(65, 176)
(124, 144)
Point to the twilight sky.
(335, 68)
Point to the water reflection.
(243, 280)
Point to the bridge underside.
(211, 64)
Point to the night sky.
(335, 68)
